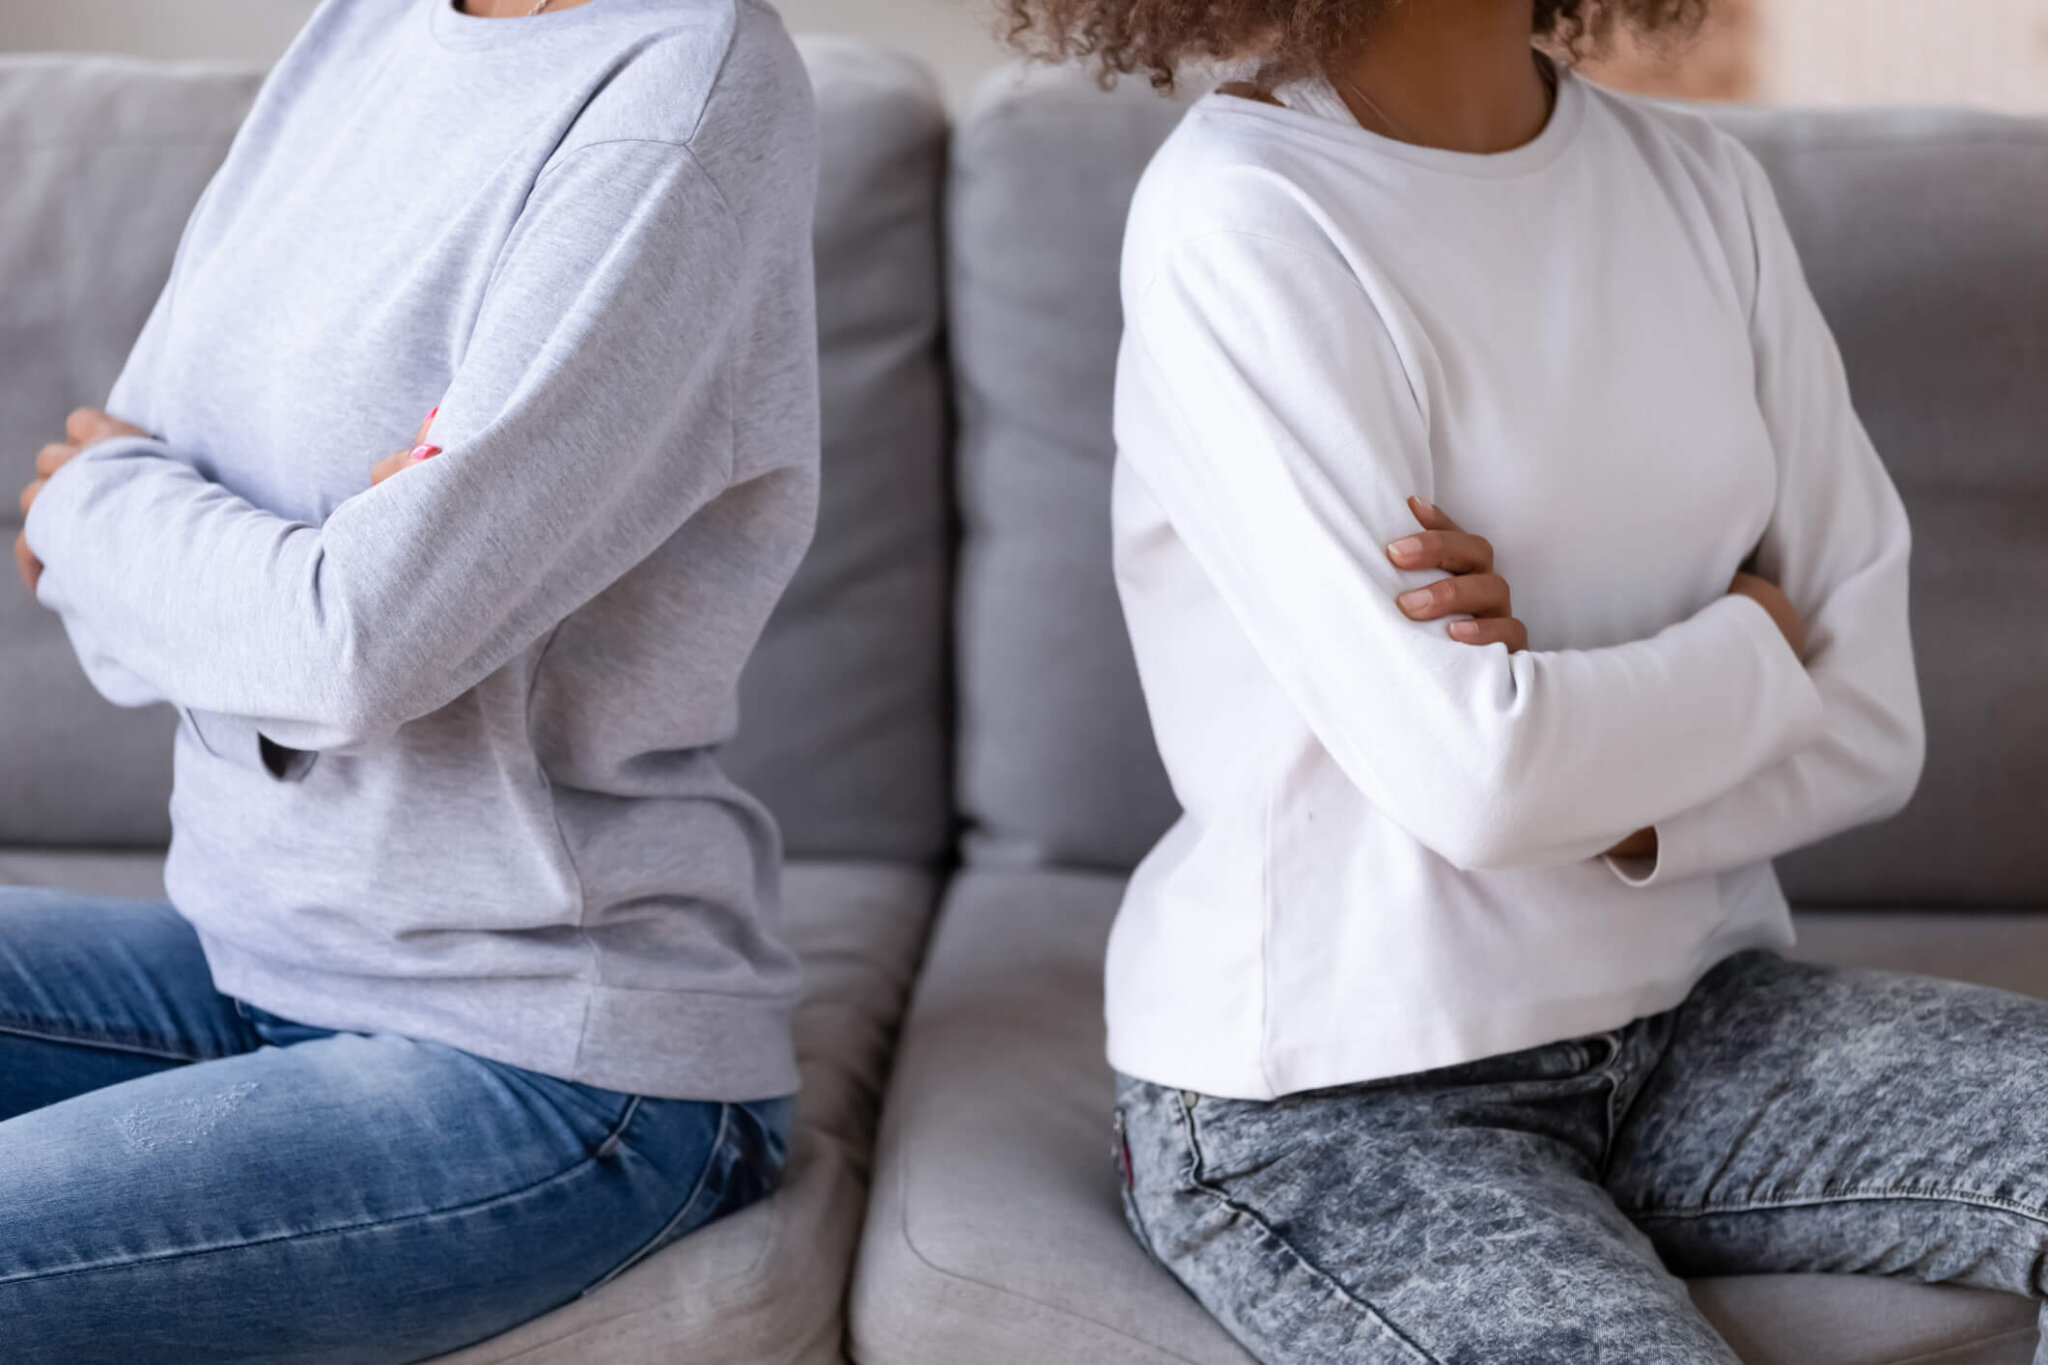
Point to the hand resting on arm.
(1475, 588)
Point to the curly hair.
(1287, 37)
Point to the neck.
(511, 9)
(1454, 74)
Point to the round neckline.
(457, 28)
(1567, 114)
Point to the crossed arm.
(1728, 737)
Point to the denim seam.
(617, 1137)
(1198, 1183)
(340, 1229)
(1919, 1193)
(655, 1242)
(1610, 1068)
(99, 1038)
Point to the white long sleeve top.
(1598, 351)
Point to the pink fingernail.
(432, 415)
(425, 452)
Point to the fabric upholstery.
(766, 1286)
(136, 874)
(1917, 230)
(994, 1233)
(1056, 761)
(103, 158)
(843, 724)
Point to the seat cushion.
(994, 1232)
(1920, 233)
(766, 1285)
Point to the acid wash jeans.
(1532, 1208)
(186, 1178)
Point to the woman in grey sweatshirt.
(449, 831)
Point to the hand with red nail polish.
(405, 459)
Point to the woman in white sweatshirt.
(1510, 579)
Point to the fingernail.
(435, 413)
(1414, 599)
(425, 452)
(1406, 545)
(1464, 628)
(1427, 505)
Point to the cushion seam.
(1038, 1305)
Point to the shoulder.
(724, 85)
(1704, 171)
(698, 77)
(1682, 143)
(1235, 177)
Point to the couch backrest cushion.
(102, 159)
(1921, 233)
(844, 731)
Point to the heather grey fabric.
(506, 669)
(994, 1233)
(102, 158)
(843, 719)
(767, 1284)
(1920, 233)
(843, 725)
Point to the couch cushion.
(138, 875)
(994, 1232)
(843, 707)
(1920, 232)
(766, 1285)
(844, 731)
(103, 158)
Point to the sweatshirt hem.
(662, 1044)
(1176, 1059)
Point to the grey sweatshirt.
(447, 761)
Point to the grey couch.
(945, 710)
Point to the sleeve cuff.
(1803, 717)
(1802, 711)
(236, 740)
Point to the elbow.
(1474, 828)
(1905, 763)
(1482, 846)
(350, 709)
(1490, 814)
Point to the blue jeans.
(185, 1177)
(1533, 1208)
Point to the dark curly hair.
(1288, 37)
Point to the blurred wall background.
(1977, 52)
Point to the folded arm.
(1837, 544)
(590, 417)
(1264, 405)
